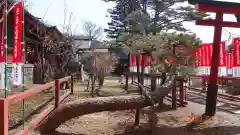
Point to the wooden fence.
(224, 82)
(178, 87)
(13, 99)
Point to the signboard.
(236, 57)
(2, 52)
(229, 63)
(17, 49)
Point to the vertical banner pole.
(5, 51)
(18, 50)
(23, 58)
(2, 64)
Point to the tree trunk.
(98, 104)
(38, 74)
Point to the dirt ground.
(169, 122)
(32, 106)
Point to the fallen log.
(91, 105)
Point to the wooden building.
(35, 32)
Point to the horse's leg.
(101, 79)
(89, 79)
(93, 79)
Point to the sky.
(96, 11)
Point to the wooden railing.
(13, 99)
(221, 80)
(179, 82)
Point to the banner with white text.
(17, 49)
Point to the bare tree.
(98, 65)
(92, 30)
(56, 54)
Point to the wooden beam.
(218, 8)
(213, 22)
(4, 116)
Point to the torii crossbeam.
(219, 8)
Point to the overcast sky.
(96, 11)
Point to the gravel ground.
(170, 122)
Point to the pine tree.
(133, 17)
(117, 25)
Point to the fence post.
(4, 116)
(153, 83)
(126, 82)
(181, 94)
(204, 84)
(72, 84)
(174, 95)
(57, 93)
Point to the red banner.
(236, 52)
(3, 34)
(130, 61)
(134, 61)
(147, 61)
(17, 49)
(140, 60)
(230, 61)
(2, 44)
(208, 55)
(223, 55)
(202, 56)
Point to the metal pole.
(23, 62)
(6, 51)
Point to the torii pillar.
(219, 8)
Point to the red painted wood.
(10, 58)
(3, 116)
(35, 122)
(13, 99)
(216, 49)
(65, 79)
(62, 97)
(218, 8)
(57, 93)
(222, 24)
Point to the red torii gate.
(219, 8)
